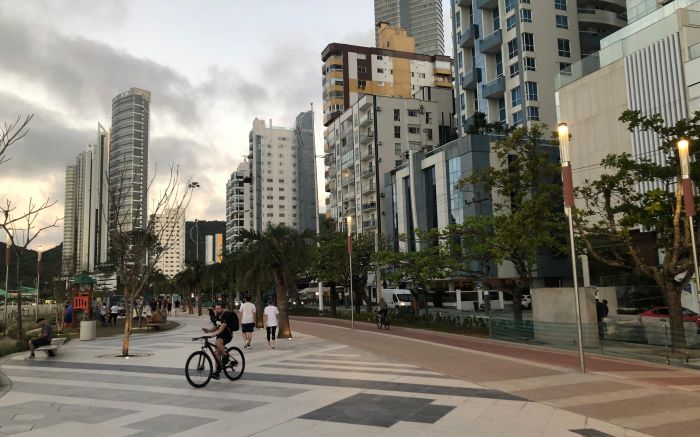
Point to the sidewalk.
(653, 399)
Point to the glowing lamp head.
(683, 146)
(349, 219)
(563, 131)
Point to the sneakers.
(216, 375)
(31, 357)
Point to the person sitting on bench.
(44, 339)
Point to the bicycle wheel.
(236, 363)
(379, 321)
(198, 369)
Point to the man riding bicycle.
(383, 309)
(223, 331)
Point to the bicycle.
(199, 368)
(383, 321)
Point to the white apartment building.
(508, 52)
(170, 229)
(237, 203)
(421, 18)
(369, 139)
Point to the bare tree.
(135, 249)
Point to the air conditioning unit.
(379, 109)
(379, 143)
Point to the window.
(380, 57)
(512, 48)
(531, 91)
(526, 15)
(502, 109)
(397, 131)
(560, 4)
(397, 115)
(562, 21)
(461, 101)
(564, 47)
(397, 149)
(380, 70)
(458, 21)
(413, 113)
(496, 21)
(533, 113)
(514, 69)
(421, 75)
(528, 42)
(516, 96)
(429, 134)
(530, 64)
(565, 68)
(517, 118)
(499, 64)
(460, 60)
(413, 130)
(510, 22)
(269, 180)
(362, 84)
(510, 5)
(361, 69)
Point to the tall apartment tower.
(237, 203)
(128, 160)
(508, 52)
(421, 18)
(276, 179)
(170, 229)
(307, 196)
(86, 208)
(394, 70)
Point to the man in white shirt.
(270, 317)
(113, 313)
(247, 317)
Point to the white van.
(397, 297)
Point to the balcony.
(328, 160)
(369, 170)
(368, 188)
(366, 137)
(365, 103)
(470, 79)
(494, 89)
(366, 119)
(367, 224)
(366, 153)
(487, 4)
(491, 43)
(369, 206)
(468, 35)
(598, 19)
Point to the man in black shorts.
(223, 332)
(44, 339)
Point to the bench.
(154, 325)
(53, 348)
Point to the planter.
(88, 330)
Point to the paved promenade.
(317, 384)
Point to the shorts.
(226, 337)
(41, 342)
(248, 327)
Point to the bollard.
(668, 358)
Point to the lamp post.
(568, 182)
(352, 303)
(8, 260)
(687, 187)
(38, 278)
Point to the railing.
(366, 137)
(368, 170)
(366, 153)
(369, 223)
(369, 188)
(369, 205)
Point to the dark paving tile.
(379, 410)
(44, 414)
(169, 423)
(591, 433)
(291, 379)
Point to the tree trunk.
(675, 311)
(127, 325)
(258, 308)
(333, 300)
(19, 299)
(285, 330)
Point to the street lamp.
(38, 284)
(352, 303)
(568, 182)
(8, 260)
(687, 187)
(192, 185)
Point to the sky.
(212, 66)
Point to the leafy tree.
(615, 211)
(329, 262)
(284, 252)
(528, 219)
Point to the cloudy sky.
(211, 65)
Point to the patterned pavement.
(307, 386)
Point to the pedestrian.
(169, 304)
(43, 339)
(113, 314)
(177, 307)
(270, 319)
(247, 322)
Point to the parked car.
(662, 312)
(526, 302)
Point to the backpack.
(230, 316)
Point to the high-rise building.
(237, 203)
(86, 208)
(169, 226)
(369, 139)
(214, 245)
(394, 69)
(128, 160)
(421, 18)
(307, 195)
(276, 180)
(196, 235)
(507, 53)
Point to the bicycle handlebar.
(204, 337)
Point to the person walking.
(270, 319)
(177, 307)
(247, 311)
(113, 313)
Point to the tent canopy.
(26, 291)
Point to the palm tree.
(283, 251)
